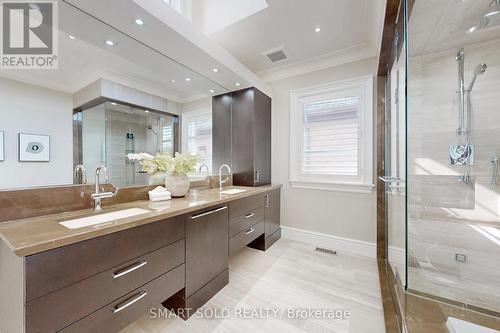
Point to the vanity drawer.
(122, 312)
(245, 237)
(243, 222)
(52, 270)
(54, 311)
(243, 206)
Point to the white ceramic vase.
(157, 178)
(177, 184)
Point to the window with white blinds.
(330, 136)
(197, 135)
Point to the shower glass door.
(453, 148)
(395, 168)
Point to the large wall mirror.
(110, 95)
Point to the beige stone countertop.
(37, 234)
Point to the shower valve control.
(461, 154)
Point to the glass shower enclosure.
(108, 131)
(442, 150)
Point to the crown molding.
(344, 56)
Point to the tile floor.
(290, 275)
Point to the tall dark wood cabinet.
(242, 135)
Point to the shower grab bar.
(494, 163)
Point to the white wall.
(27, 108)
(339, 214)
(204, 103)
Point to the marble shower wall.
(447, 217)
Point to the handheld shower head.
(480, 69)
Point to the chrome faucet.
(204, 166)
(80, 169)
(220, 175)
(97, 196)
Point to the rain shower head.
(480, 69)
(489, 19)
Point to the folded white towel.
(159, 194)
(159, 189)
(160, 197)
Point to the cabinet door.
(243, 137)
(206, 246)
(262, 138)
(272, 211)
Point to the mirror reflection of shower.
(121, 128)
(463, 154)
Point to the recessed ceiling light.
(212, 91)
(110, 42)
(317, 29)
(139, 22)
(238, 84)
(113, 103)
(187, 79)
(71, 37)
(146, 111)
(173, 81)
(215, 70)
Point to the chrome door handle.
(249, 231)
(389, 179)
(267, 201)
(125, 304)
(249, 215)
(257, 176)
(129, 269)
(207, 213)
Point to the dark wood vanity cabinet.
(206, 247)
(206, 260)
(242, 135)
(105, 283)
(254, 221)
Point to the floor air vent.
(327, 251)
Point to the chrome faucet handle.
(80, 168)
(102, 167)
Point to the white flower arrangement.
(180, 163)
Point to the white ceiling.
(438, 25)
(87, 59)
(346, 25)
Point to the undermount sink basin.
(103, 218)
(233, 191)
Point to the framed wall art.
(34, 148)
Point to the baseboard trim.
(341, 244)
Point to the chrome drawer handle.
(207, 213)
(249, 231)
(219, 209)
(129, 302)
(249, 215)
(129, 269)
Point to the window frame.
(363, 182)
(184, 128)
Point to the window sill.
(333, 186)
